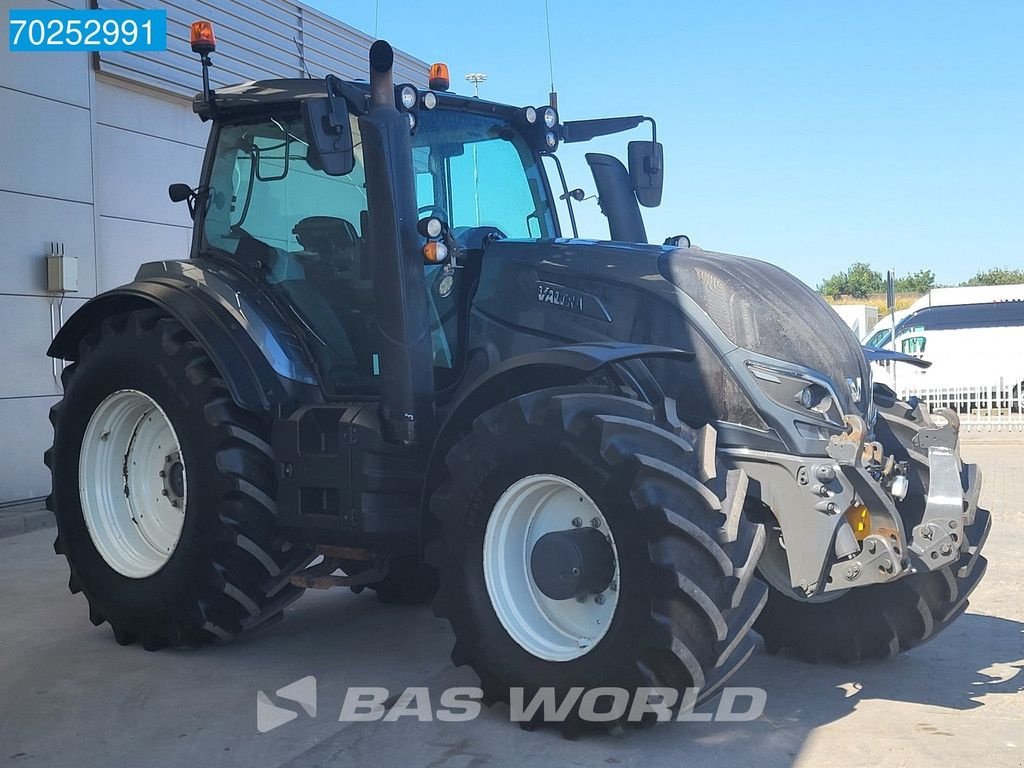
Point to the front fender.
(262, 362)
(529, 372)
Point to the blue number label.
(95, 30)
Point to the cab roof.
(263, 95)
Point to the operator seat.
(333, 240)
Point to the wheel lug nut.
(599, 599)
(163, 473)
(164, 492)
(595, 522)
(577, 522)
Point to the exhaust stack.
(406, 372)
(382, 82)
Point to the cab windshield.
(305, 232)
(474, 170)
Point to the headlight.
(550, 117)
(798, 392)
(815, 397)
(531, 115)
(429, 100)
(407, 95)
(550, 139)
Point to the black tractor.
(385, 365)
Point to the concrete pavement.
(70, 695)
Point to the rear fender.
(261, 361)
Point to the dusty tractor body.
(386, 366)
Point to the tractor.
(387, 364)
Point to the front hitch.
(950, 505)
(882, 556)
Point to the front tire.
(675, 608)
(163, 491)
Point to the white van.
(968, 345)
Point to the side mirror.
(647, 171)
(179, 193)
(329, 134)
(183, 193)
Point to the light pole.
(476, 78)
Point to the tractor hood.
(764, 309)
(712, 304)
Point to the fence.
(984, 408)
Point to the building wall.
(91, 144)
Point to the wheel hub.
(573, 563)
(173, 475)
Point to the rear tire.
(228, 570)
(685, 553)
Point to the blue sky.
(808, 134)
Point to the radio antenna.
(553, 96)
(302, 56)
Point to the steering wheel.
(477, 238)
(431, 210)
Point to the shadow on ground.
(978, 657)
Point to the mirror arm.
(653, 165)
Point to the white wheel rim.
(132, 484)
(554, 630)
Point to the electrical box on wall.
(61, 270)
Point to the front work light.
(407, 96)
(201, 37)
(429, 100)
(550, 118)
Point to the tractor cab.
(284, 195)
(271, 206)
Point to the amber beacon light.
(201, 37)
(439, 80)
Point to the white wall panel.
(123, 245)
(133, 171)
(28, 225)
(141, 110)
(64, 76)
(53, 157)
(25, 323)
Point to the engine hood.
(764, 309)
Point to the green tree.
(921, 281)
(859, 281)
(997, 276)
